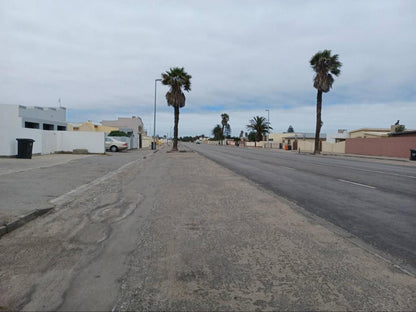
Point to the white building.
(132, 126)
(44, 118)
(340, 136)
(46, 126)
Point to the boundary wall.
(48, 142)
(388, 147)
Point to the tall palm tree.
(260, 126)
(177, 79)
(324, 64)
(224, 122)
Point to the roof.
(304, 136)
(376, 133)
(408, 132)
(371, 130)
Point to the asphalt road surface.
(178, 232)
(374, 201)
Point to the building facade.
(132, 126)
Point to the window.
(48, 127)
(31, 125)
(61, 128)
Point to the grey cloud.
(241, 54)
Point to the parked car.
(115, 145)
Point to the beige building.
(291, 138)
(369, 133)
(89, 126)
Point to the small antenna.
(59, 101)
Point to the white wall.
(67, 141)
(47, 142)
(8, 143)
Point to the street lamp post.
(268, 126)
(154, 118)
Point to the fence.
(47, 142)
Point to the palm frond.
(324, 64)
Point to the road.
(374, 201)
(178, 232)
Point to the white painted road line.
(355, 183)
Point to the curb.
(22, 220)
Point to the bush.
(400, 128)
(118, 134)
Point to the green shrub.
(118, 134)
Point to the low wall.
(8, 146)
(306, 146)
(389, 147)
(335, 148)
(48, 142)
(67, 141)
(212, 142)
(256, 144)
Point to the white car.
(115, 145)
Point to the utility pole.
(268, 126)
(154, 118)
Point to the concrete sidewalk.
(28, 185)
(12, 165)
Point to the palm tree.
(217, 132)
(324, 64)
(177, 79)
(224, 122)
(260, 126)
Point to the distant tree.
(217, 133)
(177, 78)
(260, 126)
(325, 65)
(252, 136)
(224, 122)
(290, 129)
(241, 133)
(227, 131)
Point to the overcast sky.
(101, 59)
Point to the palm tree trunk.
(175, 130)
(318, 121)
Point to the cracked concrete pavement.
(176, 231)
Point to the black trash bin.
(413, 154)
(24, 148)
(153, 145)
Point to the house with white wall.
(45, 125)
(132, 126)
(340, 136)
